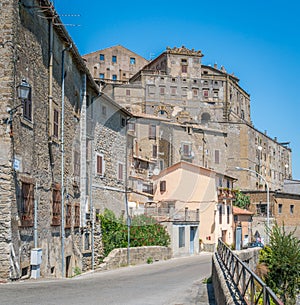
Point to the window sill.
(26, 122)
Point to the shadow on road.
(210, 293)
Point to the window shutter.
(163, 186)
(99, 165)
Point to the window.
(147, 188)
(56, 206)
(55, 123)
(77, 215)
(216, 94)
(77, 103)
(181, 233)
(131, 126)
(195, 92)
(173, 91)
(123, 121)
(152, 132)
(220, 213)
(101, 57)
(292, 209)
(205, 118)
(114, 58)
(26, 208)
(163, 186)
(242, 114)
(128, 92)
(100, 165)
(68, 215)
(27, 107)
(162, 90)
(161, 164)
(205, 93)
(114, 77)
(184, 68)
(132, 60)
(228, 214)
(154, 151)
(186, 149)
(184, 60)
(101, 75)
(86, 241)
(151, 90)
(217, 156)
(120, 171)
(279, 208)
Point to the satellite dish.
(156, 171)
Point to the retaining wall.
(225, 291)
(138, 255)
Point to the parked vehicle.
(255, 244)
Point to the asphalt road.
(173, 282)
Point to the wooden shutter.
(99, 165)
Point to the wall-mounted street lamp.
(23, 90)
(268, 196)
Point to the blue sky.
(258, 41)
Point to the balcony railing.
(252, 289)
(170, 214)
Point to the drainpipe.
(35, 218)
(126, 191)
(91, 202)
(62, 159)
(83, 156)
(50, 90)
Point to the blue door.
(238, 238)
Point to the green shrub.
(282, 260)
(144, 231)
(149, 260)
(76, 271)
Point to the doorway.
(193, 231)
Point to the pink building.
(190, 193)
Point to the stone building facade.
(210, 105)
(284, 209)
(43, 166)
(114, 65)
(108, 152)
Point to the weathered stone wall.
(139, 255)
(37, 151)
(8, 57)
(224, 290)
(249, 256)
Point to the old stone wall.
(33, 50)
(139, 255)
(8, 54)
(224, 290)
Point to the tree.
(282, 260)
(241, 200)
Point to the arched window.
(205, 118)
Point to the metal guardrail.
(251, 287)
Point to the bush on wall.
(144, 231)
